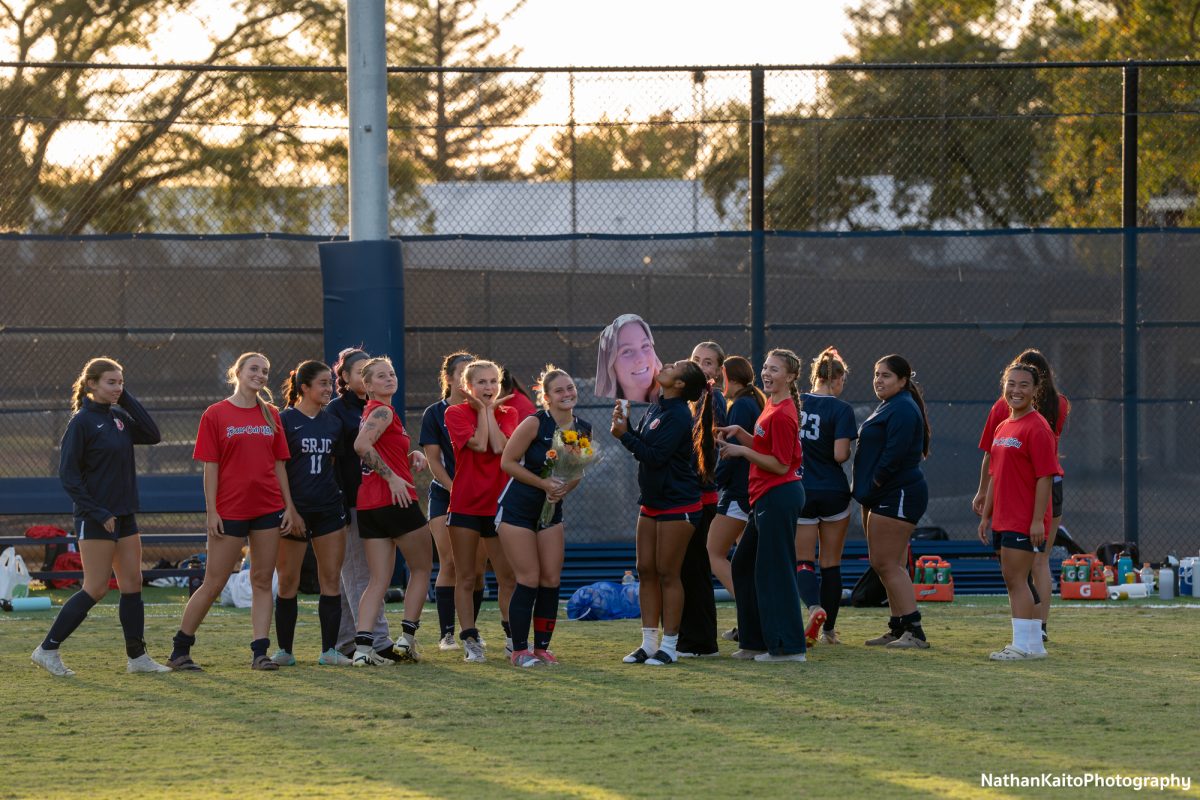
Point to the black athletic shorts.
(482, 524)
(390, 522)
(320, 523)
(242, 527)
(126, 525)
(1017, 541)
(1056, 497)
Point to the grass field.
(1120, 694)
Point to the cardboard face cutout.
(626, 364)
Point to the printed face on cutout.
(635, 362)
(108, 388)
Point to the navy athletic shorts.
(126, 525)
(824, 506)
(527, 517)
(907, 504)
(320, 523)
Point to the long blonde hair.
(264, 398)
(92, 371)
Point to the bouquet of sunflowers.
(569, 455)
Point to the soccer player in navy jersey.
(670, 450)
(534, 551)
(314, 438)
(890, 486)
(827, 427)
(745, 402)
(96, 466)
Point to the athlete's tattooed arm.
(372, 428)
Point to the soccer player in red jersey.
(770, 623)
(246, 497)
(515, 396)
(1024, 461)
(1055, 408)
(389, 515)
(479, 430)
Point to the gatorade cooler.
(1082, 578)
(932, 580)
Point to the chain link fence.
(954, 215)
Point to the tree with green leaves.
(660, 147)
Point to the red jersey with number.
(478, 479)
(1000, 412)
(1023, 450)
(244, 448)
(776, 433)
(392, 446)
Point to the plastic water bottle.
(1166, 584)
(1147, 576)
(628, 579)
(1124, 567)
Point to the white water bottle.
(1147, 576)
(1166, 584)
(628, 579)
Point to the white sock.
(650, 640)
(669, 643)
(1033, 636)
(1018, 633)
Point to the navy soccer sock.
(73, 613)
(806, 582)
(545, 614)
(132, 613)
(329, 612)
(286, 611)
(259, 647)
(444, 596)
(520, 615)
(831, 593)
(181, 645)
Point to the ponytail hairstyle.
(303, 375)
(696, 388)
(792, 361)
(740, 370)
(901, 368)
(345, 361)
(449, 364)
(827, 367)
(371, 364)
(263, 397)
(1046, 399)
(92, 371)
(550, 374)
(509, 384)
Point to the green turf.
(1120, 694)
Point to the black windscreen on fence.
(176, 311)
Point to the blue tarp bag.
(604, 600)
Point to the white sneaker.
(508, 651)
(144, 663)
(743, 654)
(333, 658)
(788, 657)
(407, 648)
(51, 661)
(448, 642)
(365, 656)
(474, 651)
